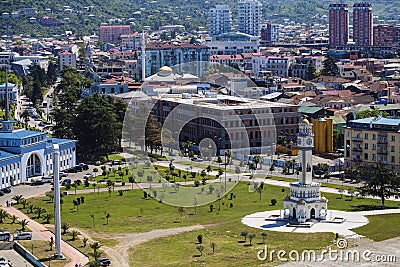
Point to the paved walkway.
(265, 220)
(39, 230)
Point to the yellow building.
(372, 140)
(323, 134)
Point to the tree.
(329, 67)
(256, 160)
(95, 246)
(3, 215)
(244, 234)
(24, 203)
(48, 217)
(213, 246)
(74, 234)
(13, 219)
(39, 211)
(200, 248)
(368, 113)
(107, 217)
(264, 235)
(152, 133)
(260, 189)
(380, 181)
(311, 72)
(64, 227)
(51, 243)
(85, 240)
(23, 224)
(17, 198)
(251, 236)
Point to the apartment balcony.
(356, 140)
(357, 159)
(356, 149)
(382, 141)
(382, 152)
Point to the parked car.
(78, 168)
(104, 261)
(37, 182)
(41, 124)
(98, 163)
(6, 190)
(66, 181)
(116, 162)
(84, 166)
(88, 175)
(1, 193)
(47, 179)
(72, 170)
(23, 236)
(5, 236)
(63, 174)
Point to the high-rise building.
(219, 20)
(338, 24)
(362, 24)
(269, 32)
(249, 17)
(386, 35)
(112, 33)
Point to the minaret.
(57, 207)
(7, 124)
(305, 144)
(143, 46)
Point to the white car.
(88, 175)
(23, 236)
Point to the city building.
(12, 91)
(323, 133)
(362, 24)
(386, 35)
(249, 17)
(232, 43)
(305, 201)
(269, 32)
(173, 54)
(66, 58)
(300, 67)
(112, 33)
(219, 20)
(276, 65)
(338, 24)
(372, 140)
(130, 41)
(25, 154)
(242, 125)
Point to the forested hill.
(87, 15)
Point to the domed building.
(305, 201)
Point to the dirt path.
(119, 255)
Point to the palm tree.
(51, 243)
(85, 240)
(213, 246)
(264, 235)
(25, 115)
(17, 198)
(244, 234)
(24, 203)
(256, 160)
(95, 246)
(107, 217)
(13, 219)
(65, 227)
(251, 236)
(23, 224)
(39, 211)
(3, 215)
(74, 234)
(260, 189)
(48, 217)
(200, 248)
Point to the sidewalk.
(41, 231)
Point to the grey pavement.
(14, 258)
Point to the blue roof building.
(25, 154)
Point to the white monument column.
(57, 213)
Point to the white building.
(232, 43)
(305, 201)
(66, 58)
(249, 17)
(12, 91)
(278, 66)
(219, 20)
(130, 41)
(41, 61)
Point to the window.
(373, 157)
(393, 138)
(373, 136)
(366, 136)
(366, 146)
(392, 149)
(392, 159)
(366, 156)
(373, 146)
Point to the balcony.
(356, 149)
(382, 152)
(382, 141)
(357, 159)
(356, 140)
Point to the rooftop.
(20, 134)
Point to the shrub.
(211, 208)
(196, 183)
(86, 183)
(200, 239)
(120, 193)
(273, 202)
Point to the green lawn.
(381, 227)
(135, 214)
(8, 226)
(41, 250)
(180, 250)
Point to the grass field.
(41, 250)
(381, 227)
(136, 214)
